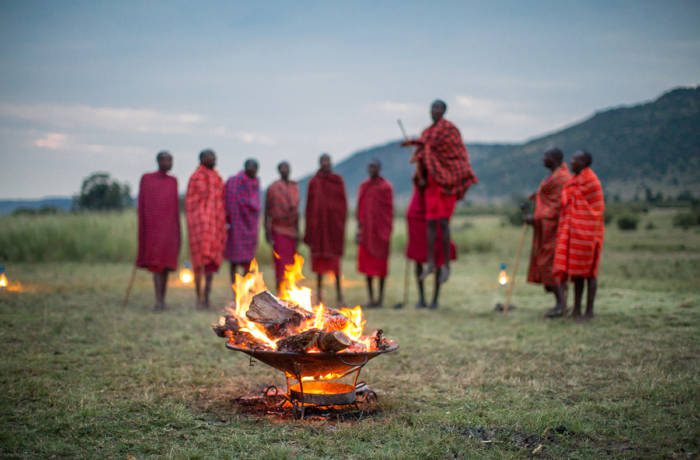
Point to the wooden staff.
(406, 265)
(128, 287)
(509, 292)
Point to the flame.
(502, 278)
(3, 280)
(186, 276)
(321, 317)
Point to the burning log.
(333, 342)
(334, 320)
(275, 315)
(299, 343)
(226, 323)
(245, 339)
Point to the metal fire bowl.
(313, 364)
(323, 393)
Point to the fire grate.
(276, 402)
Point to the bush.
(650, 226)
(686, 219)
(608, 217)
(627, 222)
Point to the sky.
(103, 86)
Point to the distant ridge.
(58, 202)
(654, 144)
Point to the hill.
(652, 145)
(60, 203)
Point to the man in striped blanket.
(580, 233)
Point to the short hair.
(375, 162)
(282, 163)
(163, 154)
(249, 162)
(204, 153)
(587, 157)
(441, 103)
(324, 155)
(555, 153)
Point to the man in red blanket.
(544, 222)
(580, 232)
(417, 247)
(443, 170)
(282, 220)
(326, 211)
(206, 223)
(159, 225)
(242, 203)
(375, 217)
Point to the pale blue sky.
(99, 85)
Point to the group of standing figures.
(223, 220)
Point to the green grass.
(83, 377)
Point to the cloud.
(139, 120)
(246, 137)
(484, 118)
(51, 141)
(65, 143)
(396, 108)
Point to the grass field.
(83, 377)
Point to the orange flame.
(321, 318)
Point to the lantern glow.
(503, 275)
(3, 280)
(186, 274)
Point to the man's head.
(374, 167)
(207, 158)
(251, 168)
(552, 158)
(165, 161)
(437, 110)
(325, 162)
(284, 169)
(580, 161)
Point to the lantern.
(186, 274)
(503, 275)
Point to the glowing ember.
(290, 322)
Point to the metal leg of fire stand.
(297, 370)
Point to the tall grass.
(112, 237)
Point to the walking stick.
(128, 287)
(406, 268)
(509, 292)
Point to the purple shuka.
(242, 214)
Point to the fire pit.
(314, 346)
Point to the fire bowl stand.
(319, 392)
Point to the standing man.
(159, 225)
(417, 247)
(206, 223)
(544, 222)
(375, 217)
(242, 201)
(326, 211)
(282, 220)
(580, 232)
(443, 170)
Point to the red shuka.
(417, 247)
(206, 218)
(282, 208)
(375, 217)
(159, 222)
(581, 227)
(546, 221)
(326, 211)
(443, 155)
